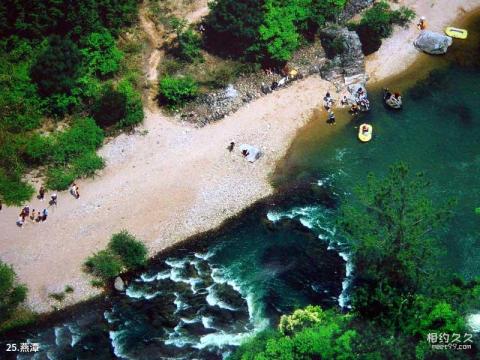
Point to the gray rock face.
(348, 61)
(119, 285)
(432, 43)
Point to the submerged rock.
(432, 43)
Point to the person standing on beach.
(20, 221)
(53, 200)
(41, 193)
(44, 215)
(32, 217)
(74, 191)
(422, 24)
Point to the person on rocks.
(327, 101)
(354, 109)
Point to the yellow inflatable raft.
(456, 32)
(365, 132)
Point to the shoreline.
(176, 182)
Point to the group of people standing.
(42, 215)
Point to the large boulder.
(432, 43)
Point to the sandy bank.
(397, 53)
(164, 186)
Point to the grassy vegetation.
(53, 69)
(393, 231)
(12, 295)
(124, 252)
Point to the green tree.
(326, 10)
(232, 26)
(278, 32)
(131, 251)
(57, 68)
(12, 294)
(104, 264)
(392, 230)
(110, 108)
(300, 319)
(102, 57)
(20, 106)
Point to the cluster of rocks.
(344, 68)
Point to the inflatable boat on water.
(365, 132)
(456, 32)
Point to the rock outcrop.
(432, 43)
(347, 62)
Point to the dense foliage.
(267, 31)
(124, 252)
(12, 294)
(58, 59)
(175, 91)
(132, 252)
(392, 229)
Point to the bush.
(134, 108)
(59, 178)
(102, 57)
(379, 19)
(110, 108)
(12, 294)
(87, 164)
(83, 136)
(132, 252)
(402, 16)
(189, 44)
(176, 91)
(14, 191)
(37, 149)
(104, 265)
